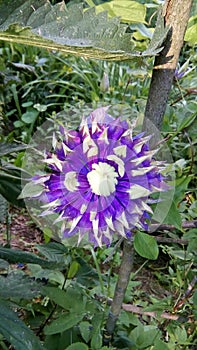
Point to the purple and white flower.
(100, 179)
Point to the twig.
(188, 92)
(171, 240)
(139, 310)
(163, 227)
(187, 294)
(39, 331)
(46, 320)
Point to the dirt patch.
(20, 231)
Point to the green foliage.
(144, 336)
(62, 323)
(15, 331)
(129, 11)
(190, 34)
(17, 256)
(77, 317)
(59, 294)
(18, 285)
(72, 30)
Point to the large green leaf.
(71, 30)
(63, 323)
(15, 331)
(146, 245)
(19, 256)
(97, 322)
(59, 297)
(129, 11)
(54, 251)
(86, 275)
(18, 285)
(65, 298)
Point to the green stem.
(98, 269)
(121, 286)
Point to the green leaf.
(74, 267)
(15, 331)
(160, 345)
(86, 275)
(8, 148)
(71, 30)
(96, 341)
(146, 245)
(85, 329)
(18, 285)
(53, 251)
(145, 336)
(65, 298)
(129, 11)
(191, 32)
(63, 323)
(19, 256)
(142, 30)
(77, 346)
(58, 296)
(18, 124)
(30, 116)
(53, 276)
(52, 342)
(186, 122)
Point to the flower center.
(102, 179)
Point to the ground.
(22, 233)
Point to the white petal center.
(102, 179)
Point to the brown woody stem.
(121, 286)
(176, 15)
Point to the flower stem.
(98, 269)
(121, 286)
